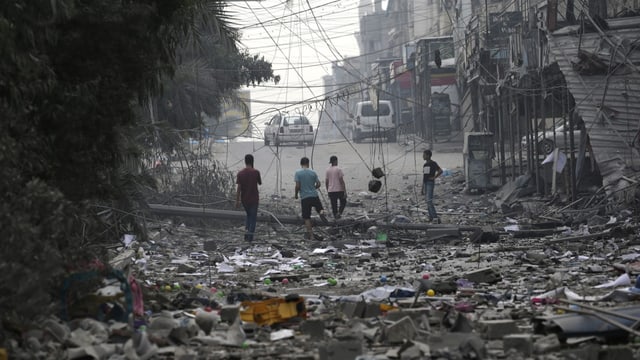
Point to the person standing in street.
(247, 193)
(430, 172)
(307, 185)
(336, 188)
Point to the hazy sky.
(301, 39)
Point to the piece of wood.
(171, 210)
(583, 237)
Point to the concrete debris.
(490, 282)
(497, 329)
(401, 330)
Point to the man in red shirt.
(247, 193)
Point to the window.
(275, 120)
(367, 110)
(297, 120)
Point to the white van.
(369, 123)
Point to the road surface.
(401, 162)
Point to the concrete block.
(353, 309)
(415, 313)
(425, 350)
(589, 352)
(250, 328)
(411, 353)
(547, 344)
(401, 330)
(497, 329)
(523, 343)
(229, 313)
(472, 347)
(462, 324)
(486, 275)
(465, 342)
(372, 310)
(618, 352)
(370, 333)
(313, 328)
(340, 350)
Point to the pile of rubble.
(480, 286)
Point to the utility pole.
(424, 85)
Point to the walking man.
(336, 188)
(307, 185)
(247, 193)
(430, 172)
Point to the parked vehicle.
(441, 113)
(546, 143)
(369, 123)
(283, 129)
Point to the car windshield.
(296, 120)
(367, 110)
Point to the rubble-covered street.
(381, 283)
(158, 163)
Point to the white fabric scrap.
(571, 295)
(281, 334)
(225, 268)
(323, 251)
(622, 280)
(560, 162)
(382, 292)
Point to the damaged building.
(554, 84)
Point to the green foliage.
(208, 70)
(72, 76)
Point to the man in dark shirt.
(430, 172)
(247, 193)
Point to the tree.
(72, 76)
(208, 71)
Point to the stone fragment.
(486, 275)
(440, 233)
(472, 347)
(411, 353)
(447, 286)
(340, 350)
(161, 326)
(354, 309)
(139, 347)
(462, 324)
(414, 313)
(313, 328)
(547, 344)
(370, 333)
(523, 343)
(419, 349)
(185, 269)
(229, 313)
(206, 320)
(497, 329)
(235, 334)
(400, 331)
(372, 310)
(56, 329)
(617, 352)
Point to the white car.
(546, 142)
(288, 129)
